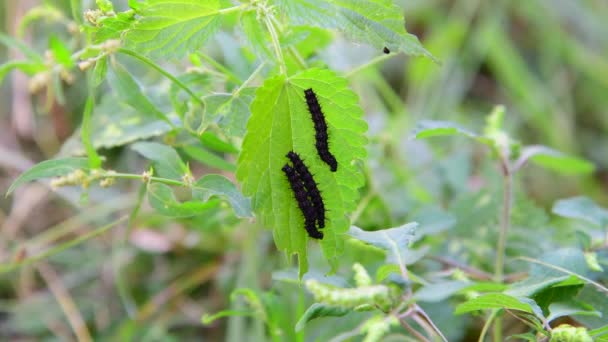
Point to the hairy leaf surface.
(172, 28)
(280, 123)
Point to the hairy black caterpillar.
(310, 185)
(304, 203)
(386, 50)
(321, 130)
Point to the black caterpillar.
(303, 202)
(386, 50)
(321, 129)
(310, 185)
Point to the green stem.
(232, 9)
(275, 43)
(162, 71)
(367, 65)
(226, 72)
(505, 218)
(486, 326)
(249, 79)
(13, 266)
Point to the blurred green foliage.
(153, 274)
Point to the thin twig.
(471, 271)
(413, 331)
(421, 312)
(65, 301)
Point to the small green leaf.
(206, 157)
(161, 198)
(217, 185)
(48, 169)
(211, 141)
(173, 28)
(27, 67)
(85, 132)
(431, 128)
(167, 162)
(570, 308)
(557, 161)
(493, 301)
(127, 89)
(581, 208)
(61, 53)
(100, 71)
(391, 239)
(318, 310)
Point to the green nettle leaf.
(494, 301)
(582, 208)
(280, 122)
(217, 185)
(318, 310)
(48, 169)
(161, 198)
(376, 22)
(172, 28)
(167, 162)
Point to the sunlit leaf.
(280, 123)
(172, 28)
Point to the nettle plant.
(151, 85)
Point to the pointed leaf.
(393, 240)
(161, 198)
(558, 161)
(320, 310)
(280, 123)
(217, 185)
(167, 162)
(493, 301)
(48, 169)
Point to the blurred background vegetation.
(154, 277)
